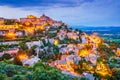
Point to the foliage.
(32, 51)
(23, 46)
(99, 59)
(17, 77)
(83, 78)
(55, 49)
(6, 47)
(116, 73)
(50, 35)
(3, 76)
(17, 61)
(106, 52)
(49, 57)
(45, 72)
(44, 42)
(10, 70)
(6, 56)
(39, 71)
(67, 40)
(28, 76)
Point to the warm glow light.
(87, 66)
(83, 45)
(22, 56)
(70, 45)
(31, 16)
(102, 69)
(118, 52)
(97, 40)
(11, 35)
(73, 37)
(56, 42)
(42, 28)
(30, 30)
(27, 23)
(83, 52)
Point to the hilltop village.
(43, 43)
(25, 26)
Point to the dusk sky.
(72, 12)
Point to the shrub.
(3, 76)
(6, 56)
(83, 78)
(2, 71)
(10, 70)
(38, 64)
(116, 73)
(17, 77)
(44, 72)
(28, 76)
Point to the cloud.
(23, 3)
(93, 13)
(12, 12)
(90, 13)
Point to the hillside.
(58, 52)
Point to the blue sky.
(72, 12)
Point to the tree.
(10, 70)
(32, 51)
(17, 77)
(3, 76)
(23, 46)
(44, 72)
(17, 61)
(116, 73)
(83, 78)
(6, 56)
(28, 76)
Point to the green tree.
(116, 73)
(17, 77)
(83, 78)
(3, 76)
(23, 46)
(10, 70)
(45, 72)
(6, 56)
(28, 76)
